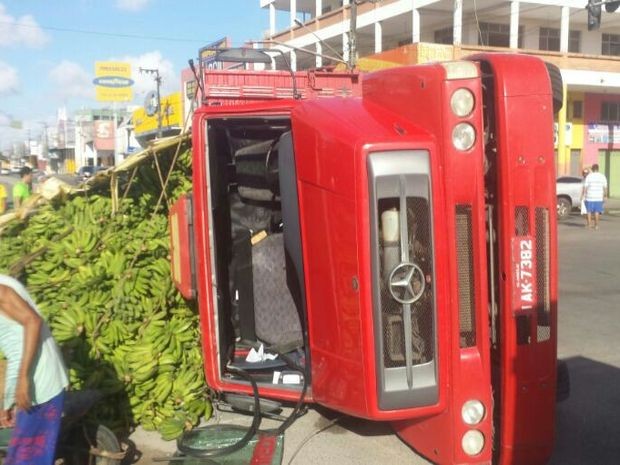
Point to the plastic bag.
(583, 207)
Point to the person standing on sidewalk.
(23, 188)
(594, 193)
(36, 378)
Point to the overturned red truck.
(392, 236)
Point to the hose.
(216, 452)
(190, 451)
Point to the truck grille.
(535, 326)
(466, 278)
(543, 306)
(396, 322)
(403, 278)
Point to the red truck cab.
(395, 247)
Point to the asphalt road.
(9, 181)
(588, 423)
(589, 324)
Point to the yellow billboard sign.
(171, 115)
(113, 81)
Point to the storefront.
(602, 137)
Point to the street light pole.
(155, 72)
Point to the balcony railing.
(424, 52)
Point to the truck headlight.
(472, 442)
(460, 69)
(462, 102)
(463, 136)
(472, 412)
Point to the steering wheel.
(271, 167)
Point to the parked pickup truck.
(568, 191)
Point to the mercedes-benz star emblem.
(406, 283)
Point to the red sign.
(104, 135)
(524, 274)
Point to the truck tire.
(564, 206)
(557, 86)
(562, 391)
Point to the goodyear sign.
(171, 116)
(113, 81)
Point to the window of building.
(574, 41)
(577, 109)
(610, 111)
(497, 35)
(611, 45)
(549, 39)
(444, 36)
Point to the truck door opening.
(257, 247)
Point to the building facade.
(315, 33)
(103, 137)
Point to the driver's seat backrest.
(276, 318)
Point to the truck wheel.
(562, 391)
(556, 86)
(564, 207)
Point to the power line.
(103, 33)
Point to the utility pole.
(28, 152)
(353, 36)
(44, 146)
(353, 32)
(155, 72)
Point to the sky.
(48, 49)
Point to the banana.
(145, 371)
(103, 282)
(171, 428)
(162, 342)
(163, 387)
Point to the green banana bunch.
(103, 282)
(172, 428)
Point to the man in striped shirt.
(594, 193)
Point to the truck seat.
(276, 318)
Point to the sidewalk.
(317, 438)
(612, 206)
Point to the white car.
(88, 171)
(568, 191)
